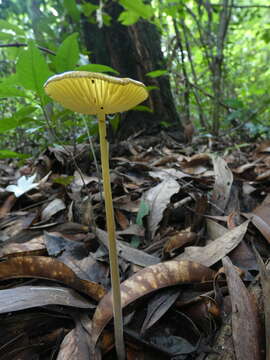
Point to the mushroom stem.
(113, 255)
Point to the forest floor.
(193, 229)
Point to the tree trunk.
(134, 51)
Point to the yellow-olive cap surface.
(92, 93)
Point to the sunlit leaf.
(32, 70)
(11, 91)
(97, 68)
(67, 55)
(4, 24)
(8, 154)
(128, 17)
(157, 73)
(138, 7)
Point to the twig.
(48, 51)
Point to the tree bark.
(134, 51)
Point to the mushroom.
(99, 94)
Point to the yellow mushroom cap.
(93, 93)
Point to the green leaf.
(144, 210)
(88, 9)
(8, 26)
(138, 7)
(24, 111)
(67, 55)
(115, 122)
(9, 80)
(128, 17)
(10, 91)
(72, 10)
(143, 108)
(64, 180)
(7, 124)
(6, 36)
(152, 87)
(97, 68)
(11, 123)
(33, 70)
(157, 73)
(8, 154)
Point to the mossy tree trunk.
(134, 51)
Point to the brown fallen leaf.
(179, 240)
(217, 249)
(245, 319)
(158, 198)
(222, 186)
(135, 256)
(30, 247)
(47, 268)
(26, 297)
(77, 344)
(260, 217)
(7, 206)
(265, 284)
(146, 281)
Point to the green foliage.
(157, 73)
(20, 116)
(8, 154)
(97, 68)
(143, 211)
(10, 91)
(64, 180)
(72, 9)
(134, 10)
(33, 71)
(67, 55)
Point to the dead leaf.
(127, 252)
(217, 249)
(158, 199)
(222, 187)
(163, 174)
(245, 318)
(158, 305)
(214, 229)
(48, 268)
(260, 217)
(146, 281)
(196, 164)
(121, 219)
(26, 297)
(77, 343)
(178, 241)
(8, 205)
(52, 208)
(265, 284)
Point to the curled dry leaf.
(260, 217)
(222, 187)
(47, 268)
(158, 198)
(211, 253)
(265, 284)
(245, 318)
(52, 208)
(179, 240)
(77, 343)
(146, 281)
